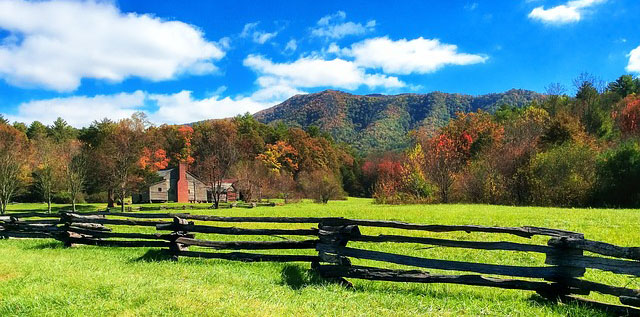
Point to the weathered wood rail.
(560, 276)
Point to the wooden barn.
(177, 185)
(228, 191)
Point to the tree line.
(581, 150)
(110, 160)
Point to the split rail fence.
(560, 276)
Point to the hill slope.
(381, 122)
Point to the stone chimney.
(183, 185)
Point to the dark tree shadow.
(154, 256)
(296, 277)
(48, 245)
(573, 307)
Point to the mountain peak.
(378, 122)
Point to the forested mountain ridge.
(381, 122)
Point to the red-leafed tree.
(465, 137)
(628, 117)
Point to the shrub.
(99, 197)
(322, 186)
(563, 176)
(618, 177)
(482, 183)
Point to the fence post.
(175, 247)
(561, 259)
(331, 238)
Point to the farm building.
(178, 185)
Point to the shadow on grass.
(48, 245)
(297, 278)
(154, 256)
(575, 308)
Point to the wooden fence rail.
(558, 277)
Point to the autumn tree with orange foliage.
(448, 152)
(127, 159)
(14, 158)
(280, 156)
(176, 141)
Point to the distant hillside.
(380, 122)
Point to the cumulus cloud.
(176, 108)
(258, 36)
(570, 12)
(334, 26)
(81, 110)
(407, 56)
(58, 43)
(634, 61)
(308, 72)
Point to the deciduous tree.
(14, 157)
(214, 152)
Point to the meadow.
(41, 278)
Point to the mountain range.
(382, 122)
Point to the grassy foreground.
(40, 278)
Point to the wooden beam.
(249, 245)
(235, 231)
(251, 257)
(631, 253)
(603, 288)
(119, 243)
(526, 232)
(519, 271)
(122, 222)
(415, 276)
(129, 235)
(509, 246)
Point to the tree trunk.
(73, 203)
(110, 198)
(122, 200)
(49, 203)
(445, 195)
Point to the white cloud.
(181, 107)
(291, 46)
(334, 26)
(634, 61)
(570, 12)
(408, 56)
(61, 42)
(258, 36)
(308, 72)
(80, 110)
(177, 108)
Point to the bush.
(100, 197)
(322, 186)
(482, 183)
(563, 176)
(618, 177)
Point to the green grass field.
(40, 278)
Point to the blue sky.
(183, 61)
